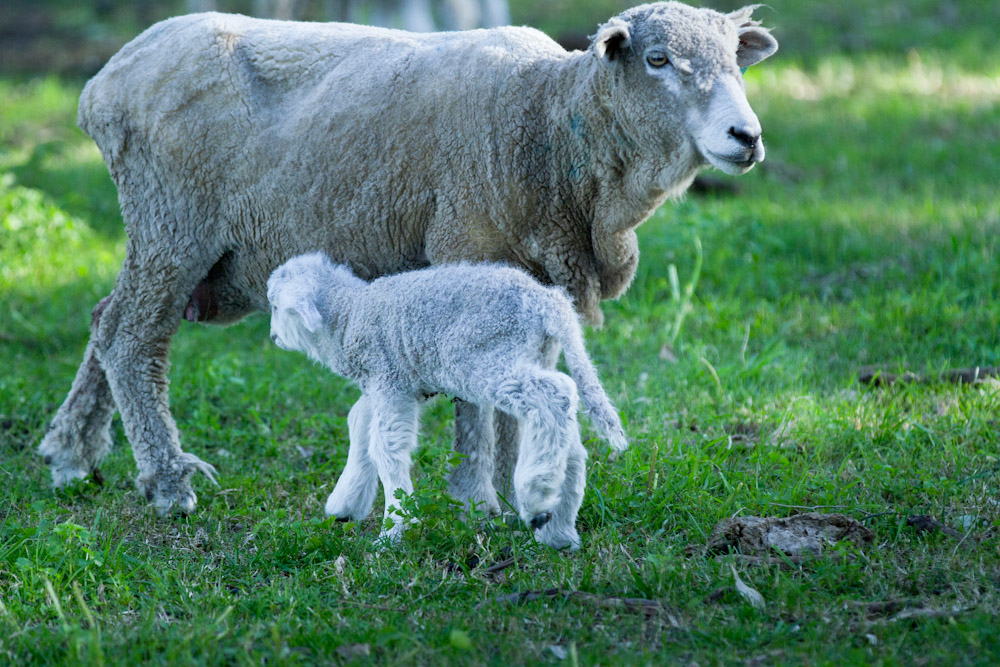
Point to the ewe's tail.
(561, 323)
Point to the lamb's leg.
(471, 481)
(393, 437)
(560, 531)
(507, 434)
(133, 341)
(355, 491)
(79, 436)
(544, 403)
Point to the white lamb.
(486, 333)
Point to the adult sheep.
(238, 143)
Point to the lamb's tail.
(561, 322)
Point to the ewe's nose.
(745, 136)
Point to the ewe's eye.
(657, 59)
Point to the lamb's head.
(675, 81)
(299, 292)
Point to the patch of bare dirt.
(800, 535)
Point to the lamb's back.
(438, 322)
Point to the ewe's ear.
(306, 308)
(611, 41)
(756, 43)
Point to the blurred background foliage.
(78, 36)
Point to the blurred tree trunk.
(145, 11)
(287, 10)
(195, 6)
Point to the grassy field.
(867, 238)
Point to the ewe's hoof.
(64, 465)
(64, 474)
(170, 490)
(343, 511)
(540, 520)
(479, 494)
(388, 539)
(168, 496)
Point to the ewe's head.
(675, 73)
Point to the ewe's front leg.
(354, 493)
(508, 436)
(471, 481)
(393, 437)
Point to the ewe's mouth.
(733, 166)
(745, 164)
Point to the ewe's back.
(338, 137)
(224, 67)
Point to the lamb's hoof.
(564, 539)
(540, 520)
(167, 495)
(178, 498)
(344, 509)
(618, 441)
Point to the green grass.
(868, 237)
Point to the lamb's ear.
(756, 43)
(306, 308)
(611, 41)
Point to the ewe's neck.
(619, 182)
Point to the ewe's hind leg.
(544, 403)
(79, 437)
(471, 481)
(355, 491)
(393, 437)
(133, 340)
